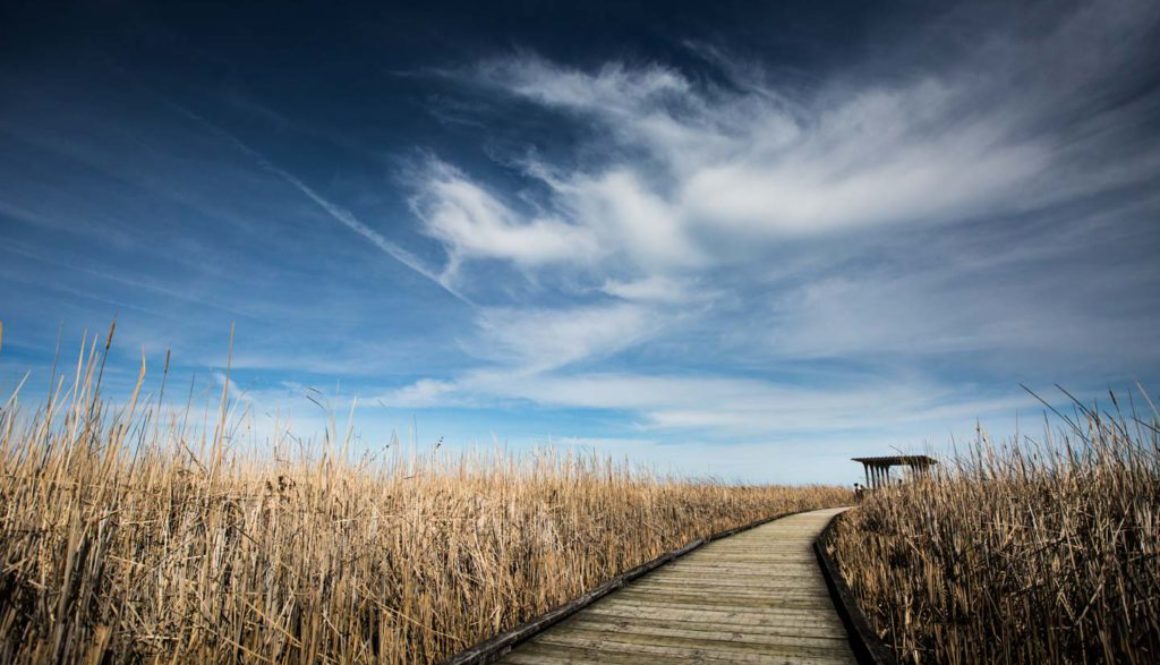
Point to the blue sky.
(718, 239)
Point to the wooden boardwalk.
(756, 597)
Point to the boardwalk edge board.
(492, 649)
(868, 648)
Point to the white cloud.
(679, 175)
(654, 288)
(614, 88)
(472, 223)
(734, 406)
(684, 181)
(632, 222)
(540, 339)
(881, 220)
(753, 161)
(423, 393)
(685, 163)
(845, 177)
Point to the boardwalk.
(757, 597)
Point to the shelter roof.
(898, 460)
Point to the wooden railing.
(868, 647)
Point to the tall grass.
(1030, 552)
(131, 533)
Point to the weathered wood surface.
(757, 597)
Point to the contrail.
(336, 212)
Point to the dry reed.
(1028, 552)
(128, 534)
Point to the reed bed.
(128, 533)
(1027, 552)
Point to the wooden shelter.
(878, 468)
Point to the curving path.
(756, 597)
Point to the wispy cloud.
(726, 406)
(881, 218)
(542, 339)
(688, 165)
(474, 224)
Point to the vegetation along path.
(756, 597)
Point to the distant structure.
(877, 469)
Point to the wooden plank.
(606, 651)
(756, 590)
(686, 643)
(769, 602)
(790, 565)
(780, 618)
(804, 630)
(698, 630)
(783, 617)
(816, 624)
(795, 573)
(749, 581)
(535, 653)
(740, 589)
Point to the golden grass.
(129, 534)
(1043, 552)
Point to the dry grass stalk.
(128, 534)
(1042, 552)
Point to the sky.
(745, 241)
